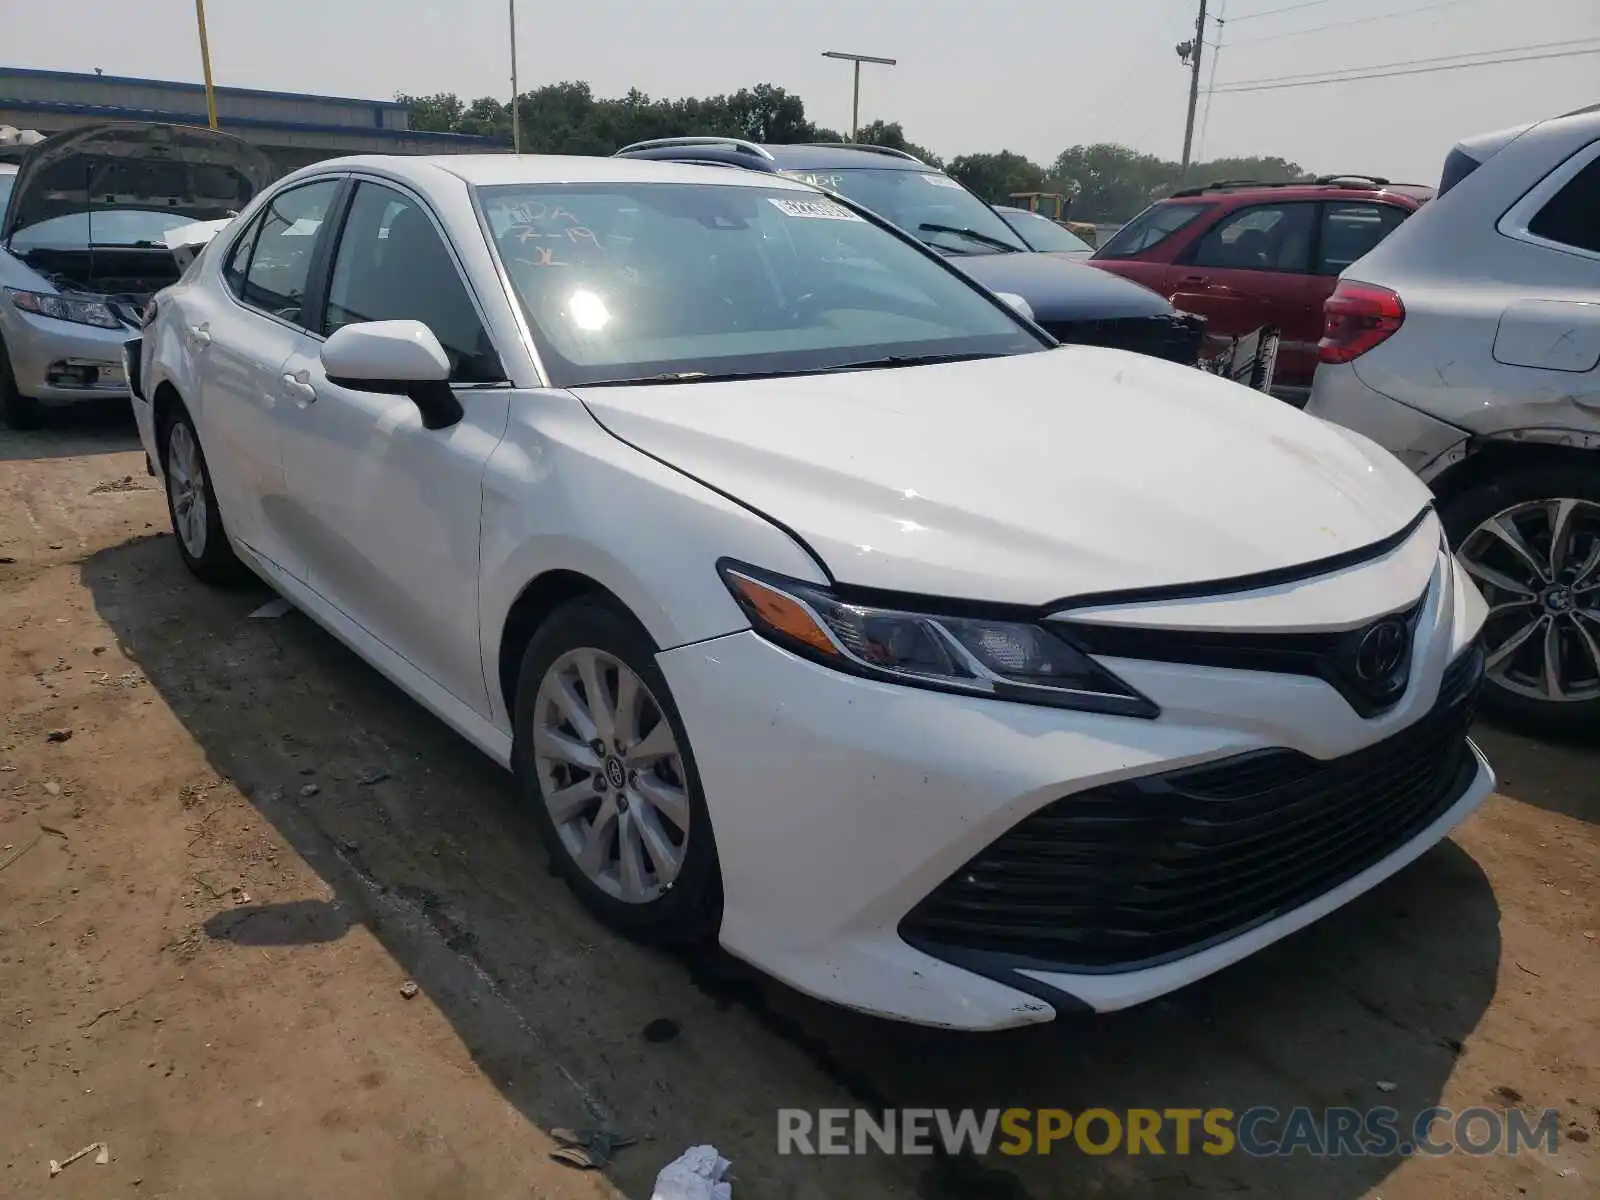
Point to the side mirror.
(1016, 302)
(399, 358)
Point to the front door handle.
(200, 336)
(299, 388)
(1187, 280)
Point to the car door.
(387, 512)
(1252, 269)
(240, 337)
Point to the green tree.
(997, 176)
(889, 133)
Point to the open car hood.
(183, 169)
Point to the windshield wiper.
(926, 227)
(686, 377)
(867, 364)
(906, 360)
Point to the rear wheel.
(1530, 538)
(603, 757)
(192, 504)
(16, 410)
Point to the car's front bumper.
(1425, 444)
(60, 361)
(840, 803)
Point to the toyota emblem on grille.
(1381, 651)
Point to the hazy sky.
(1032, 77)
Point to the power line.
(1229, 84)
(1273, 37)
(1211, 83)
(1272, 12)
(1489, 62)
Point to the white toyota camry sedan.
(818, 602)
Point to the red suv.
(1247, 255)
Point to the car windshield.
(101, 227)
(926, 204)
(1150, 228)
(1044, 234)
(640, 282)
(7, 178)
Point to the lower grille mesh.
(1176, 338)
(1151, 869)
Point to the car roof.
(772, 157)
(490, 169)
(1321, 186)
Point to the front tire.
(602, 756)
(192, 504)
(1530, 538)
(17, 411)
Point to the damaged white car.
(84, 246)
(820, 603)
(1468, 344)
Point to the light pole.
(855, 94)
(205, 62)
(516, 117)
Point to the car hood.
(182, 169)
(1064, 473)
(1058, 289)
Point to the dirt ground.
(229, 844)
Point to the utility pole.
(205, 62)
(1191, 53)
(516, 117)
(855, 95)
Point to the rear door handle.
(299, 388)
(200, 336)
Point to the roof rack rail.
(869, 147)
(1346, 181)
(738, 144)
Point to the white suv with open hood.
(83, 248)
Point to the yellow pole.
(205, 62)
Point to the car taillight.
(1356, 318)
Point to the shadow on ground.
(1559, 776)
(101, 427)
(421, 841)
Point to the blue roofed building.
(291, 127)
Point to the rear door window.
(1149, 229)
(1350, 230)
(1572, 216)
(280, 260)
(1264, 237)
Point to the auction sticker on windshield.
(942, 181)
(821, 210)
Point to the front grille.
(1331, 657)
(1152, 869)
(1174, 337)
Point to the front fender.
(562, 494)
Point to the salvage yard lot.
(229, 844)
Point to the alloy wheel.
(186, 484)
(611, 775)
(1538, 564)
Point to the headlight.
(65, 308)
(1003, 659)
